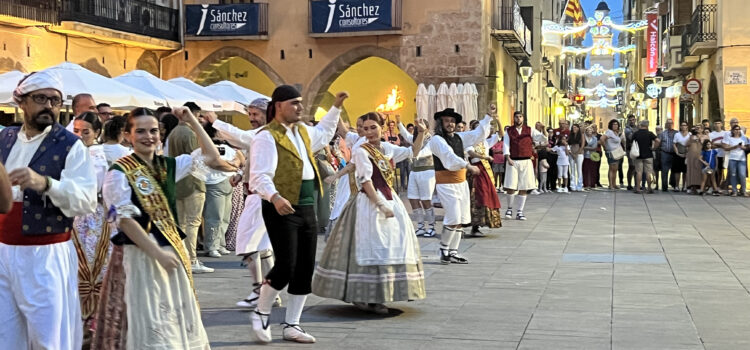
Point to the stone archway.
(205, 72)
(317, 90)
(714, 106)
(492, 79)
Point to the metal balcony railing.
(36, 10)
(506, 16)
(703, 25)
(132, 16)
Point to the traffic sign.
(693, 86)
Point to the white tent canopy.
(174, 94)
(226, 104)
(78, 80)
(8, 83)
(231, 91)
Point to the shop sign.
(735, 76)
(693, 86)
(221, 20)
(652, 44)
(341, 16)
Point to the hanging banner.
(652, 44)
(340, 16)
(221, 20)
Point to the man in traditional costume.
(485, 204)
(51, 173)
(284, 173)
(6, 195)
(252, 239)
(447, 147)
(148, 298)
(421, 186)
(371, 257)
(519, 170)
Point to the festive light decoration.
(596, 70)
(600, 90)
(602, 103)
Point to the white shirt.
(234, 135)
(562, 154)
(99, 161)
(117, 192)
(450, 160)
(717, 138)
(683, 140)
(360, 158)
(265, 157)
(115, 152)
(203, 172)
(737, 153)
(487, 145)
(536, 135)
(75, 192)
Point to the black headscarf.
(280, 94)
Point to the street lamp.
(565, 102)
(551, 90)
(525, 70)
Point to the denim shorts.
(611, 159)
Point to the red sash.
(11, 225)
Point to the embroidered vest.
(288, 175)
(40, 216)
(456, 144)
(521, 145)
(383, 172)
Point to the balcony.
(131, 16)
(328, 19)
(509, 28)
(675, 61)
(701, 34)
(31, 12)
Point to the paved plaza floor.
(594, 270)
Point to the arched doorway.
(714, 107)
(368, 73)
(237, 65)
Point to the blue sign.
(340, 16)
(221, 20)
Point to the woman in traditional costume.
(148, 298)
(372, 256)
(485, 204)
(92, 230)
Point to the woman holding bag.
(612, 143)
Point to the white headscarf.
(36, 81)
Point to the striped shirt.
(667, 140)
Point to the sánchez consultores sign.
(341, 16)
(221, 20)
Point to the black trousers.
(294, 239)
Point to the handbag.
(635, 151)
(617, 153)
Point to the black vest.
(456, 144)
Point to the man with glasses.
(50, 171)
(666, 140)
(105, 112)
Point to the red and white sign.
(652, 44)
(693, 86)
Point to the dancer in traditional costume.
(346, 185)
(92, 231)
(148, 298)
(421, 186)
(372, 257)
(252, 242)
(284, 173)
(447, 147)
(485, 204)
(519, 170)
(50, 170)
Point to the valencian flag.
(574, 12)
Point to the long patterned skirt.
(485, 204)
(238, 204)
(91, 239)
(338, 276)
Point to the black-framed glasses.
(55, 101)
(106, 113)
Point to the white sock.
(267, 297)
(446, 237)
(253, 265)
(418, 215)
(511, 199)
(429, 216)
(520, 203)
(267, 261)
(456, 239)
(294, 306)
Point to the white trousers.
(39, 306)
(456, 201)
(576, 170)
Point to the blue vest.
(40, 216)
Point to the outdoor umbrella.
(460, 102)
(442, 98)
(175, 95)
(8, 83)
(78, 80)
(431, 105)
(231, 91)
(469, 102)
(226, 104)
(423, 100)
(453, 100)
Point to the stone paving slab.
(594, 270)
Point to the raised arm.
(230, 133)
(480, 133)
(321, 134)
(208, 149)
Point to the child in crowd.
(563, 150)
(708, 158)
(543, 167)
